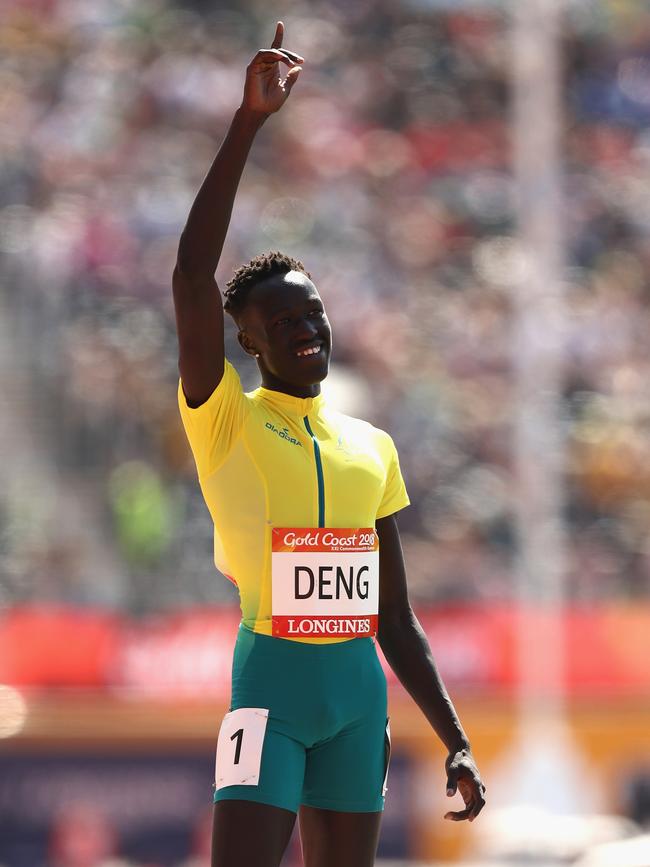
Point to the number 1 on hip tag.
(239, 747)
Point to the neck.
(274, 384)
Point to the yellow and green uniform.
(267, 459)
(307, 722)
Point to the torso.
(290, 462)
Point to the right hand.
(265, 91)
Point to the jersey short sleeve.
(395, 495)
(213, 427)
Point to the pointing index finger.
(279, 33)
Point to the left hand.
(463, 775)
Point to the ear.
(246, 344)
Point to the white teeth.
(312, 351)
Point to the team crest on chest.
(346, 447)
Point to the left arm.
(407, 651)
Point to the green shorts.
(307, 725)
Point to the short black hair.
(259, 268)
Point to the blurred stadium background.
(484, 260)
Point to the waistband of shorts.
(352, 646)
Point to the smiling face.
(285, 322)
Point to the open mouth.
(310, 351)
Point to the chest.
(313, 454)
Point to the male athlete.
(303, 500)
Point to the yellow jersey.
(268, 459)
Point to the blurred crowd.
(388, 173)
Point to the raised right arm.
(197, 300)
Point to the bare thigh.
(344, 839)
(251, 834)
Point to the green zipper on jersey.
(319, 474)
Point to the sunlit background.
(469, 185)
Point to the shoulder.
(227, 396)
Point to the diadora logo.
(283, 434)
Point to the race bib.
(239, 747)
(325, 582)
